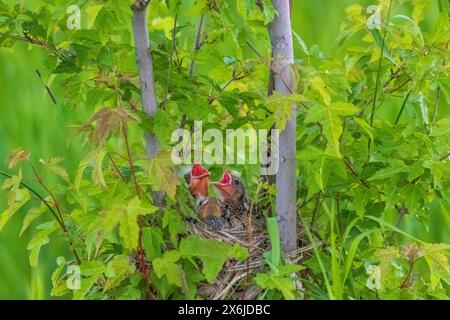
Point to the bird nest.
(233, 282)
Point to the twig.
(46, 88)
(169, 75)
(271, 67)
(233, 78)
(444, 157)
(115, 166)
(400, 86)
(130, 159)
(403, 107)
(436, 104)
(62, 53)
(197, 43)
(313, 218)
(377, 81)
(353, 172)
(407, 277)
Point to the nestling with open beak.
(235, 204)
(209, 209)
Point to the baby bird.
(209, 209)
(235, 204)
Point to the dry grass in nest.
(233, 282)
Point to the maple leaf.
(108, 121)
(17, 156)
(282, 107)
(166, 265)
(161, 174)
(117, 270)
(212, 253)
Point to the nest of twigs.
(233, 282)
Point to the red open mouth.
(224, 185)
(226, 178)
(198, 171)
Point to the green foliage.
(212, 253)
(361, 183)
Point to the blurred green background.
(28, 119)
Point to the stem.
(377, 81)
(338, 214)
(403, 107)
(274, 70)
(142, 264)
(353, 172)
(130, 159)
(400, 86)
(403, 285)
(444, 157)
(50, 93)
(62, 53)
(436, 104)
(313, 218)
(197, 43)
(39, 180)
(144, 267)
(116, 167)
(169, 76)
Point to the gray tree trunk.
(145, 68)
(283, 58)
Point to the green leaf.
(128, 223)
(175, 224)
(79, 176)
(275, 253)
(379, 41)
(96, 160)
(282, 107)
(320, 86)
(212, 253)
(330, 117)
(388, 172)
(167, 266)
(415, 170)
(421, 8)
(365, 127)
(278, 282)
(40, 239)
(54, 166)
(352, 252)
(90, 273)
(161, 174)
(152, 242)
(268, 11)
(21, 197)
(59, 286)
(32, 215)
(117, 270)
(436, 256)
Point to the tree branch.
(145, 68)
(286, 184)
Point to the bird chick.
(235, 203)
(209, 209)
